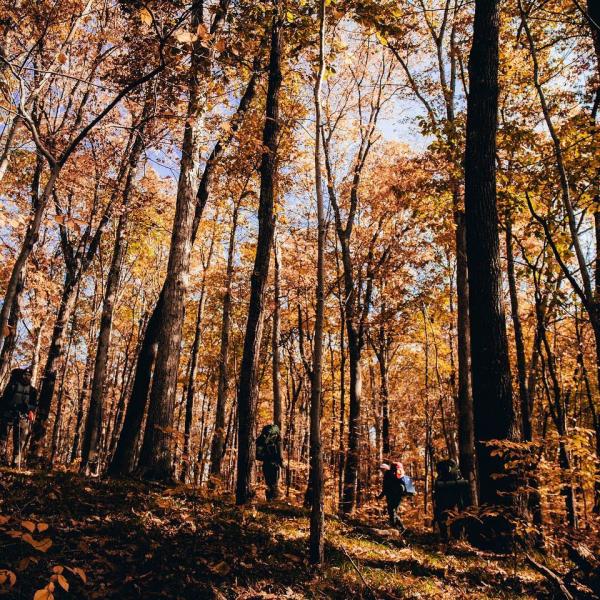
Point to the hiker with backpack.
(450, 493)
(396, 486)
(268, 451)
(17, 411)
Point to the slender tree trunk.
(317, 516)
(526, 430)
(276, 335)
(247, 393)
(191, 384)
(123, 461)
(55, 353)
(466, 439)
(354, 421)
(494, 415)
(218, 440)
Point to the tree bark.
(494, 415)
(218, 440)
(247, 393)
(317, 516)
(526, 430)
(276, 335)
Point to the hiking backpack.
(267, 444)
(409, 486)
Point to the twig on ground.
(551, 576)
(360, 574)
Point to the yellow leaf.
(146, 16)
(289, 16)
(382, 40)
(29, 525)
(64, 584)
(186, 37)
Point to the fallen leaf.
(221, 568)
(64, 584)
(29, 525)
(146, 16)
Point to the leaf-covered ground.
(123, 539)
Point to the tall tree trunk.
(466, 439)
(55, 353)
(354, 420)
(494, 415)
(156, 453)
(247, 393)
(317, 516)
(524, 403)
(218, 440)
(192, 372)
(123, 461)
(276, 335)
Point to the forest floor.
(82, 538)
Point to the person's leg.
(391, 509)
(20, 432)
(271, 473)
(399, 523)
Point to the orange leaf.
(64, 584)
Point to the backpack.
(409, 486)
(447, 470)
(267, 444)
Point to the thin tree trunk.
(524, 403)
(466, 439)
(123, 461)
(218, 440)
(247, 393)
(276, 334)
(317, 516)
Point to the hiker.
(17, 410)
(268, 451)
(396, 485)
(450, 493)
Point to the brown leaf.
(221, 568)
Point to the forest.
(259, 259)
